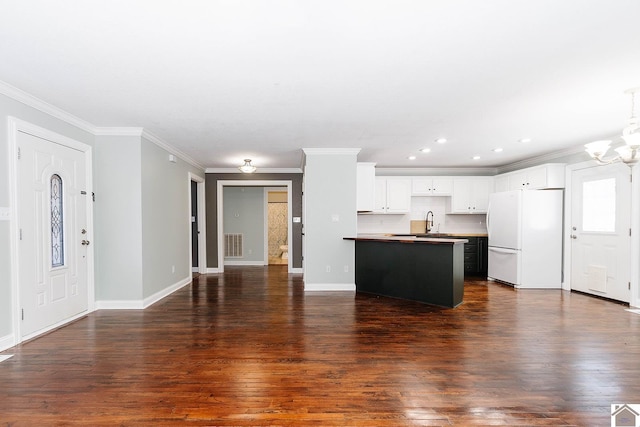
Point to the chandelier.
(628, 153)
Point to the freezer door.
(504, 219)
(504, 265)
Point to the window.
(599, 205)
(57, 222)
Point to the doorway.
(220, 213)
(52, 201)
(276, 226)
(600, 225)
(197, 224)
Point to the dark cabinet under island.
(428, 270)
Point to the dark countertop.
(406, 239)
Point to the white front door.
(600, 224)
(54, 238)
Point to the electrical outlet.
(173, 268)
(328, 269)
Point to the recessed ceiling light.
(524, 140)
(476, 157)
(441, 140)
(411, 157)
(425, 150)
(497, 150)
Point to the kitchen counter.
(424, 269)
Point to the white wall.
(329, 216)
(244, 213)
(166, 221)
(118, 221)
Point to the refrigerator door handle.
(503, 251)
(488, 220)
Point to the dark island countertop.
(406, 239)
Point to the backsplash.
(415, 220)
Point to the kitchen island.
(424, 269)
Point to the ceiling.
(226, 80)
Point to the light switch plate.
(5, 214)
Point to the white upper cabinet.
(537, 178)
(500, 183)
(432, 186)
(366, 187)
(471, 195)
(392, 195)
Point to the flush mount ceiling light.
(247, 167)
(628, 153)
(476, 157)
(425, 150)
(411, 157)
(524, 140)
(441, 140)
(497, 150)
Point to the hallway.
(250, 347)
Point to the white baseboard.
(323, 287)
(195, 269)
(214, 270)
(119, 305)
(7, 342)
(165, 292)
(141, 304)
(296, 271)
(252, 263)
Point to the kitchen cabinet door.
(431, 186)
(471, 195)
(393, 195)
(398, 195)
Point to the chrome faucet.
(429, 224)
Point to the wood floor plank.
(249, 347)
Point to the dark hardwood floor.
(251, 348)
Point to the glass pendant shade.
(247, 167)
(598, 149)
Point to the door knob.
(85, 243)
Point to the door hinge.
(629, 286)
(629, 232)
(22, 313)
(93, 196)
(20, 233)
(19, 153)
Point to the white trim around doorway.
(249, 183)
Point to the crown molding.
(164, 145)
(40, 105)
(118, 131)
(435, 171)
(541, 159)
(259, 171)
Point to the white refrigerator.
(525, 238)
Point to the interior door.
(600, 228)
(53, 242)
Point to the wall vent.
(233, 245)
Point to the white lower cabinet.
(393, 195)
(471, 195)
